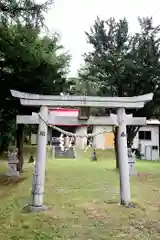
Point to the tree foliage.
(29, 62)
(124, 64)
(26, 12)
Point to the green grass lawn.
(82, 199)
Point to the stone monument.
(12, 162)
(65, 148)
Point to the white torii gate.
(44, 101)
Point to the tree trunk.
(116, 147)
(131, 133)
(20, 139)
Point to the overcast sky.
(72, 17)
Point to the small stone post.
(131, 163)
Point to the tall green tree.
(29, 62)
(24, 12)
(124, 64)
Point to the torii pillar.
(40, 166)
(123, 158)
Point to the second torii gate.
(45, 101)
(71, 119)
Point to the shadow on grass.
(12, 181)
